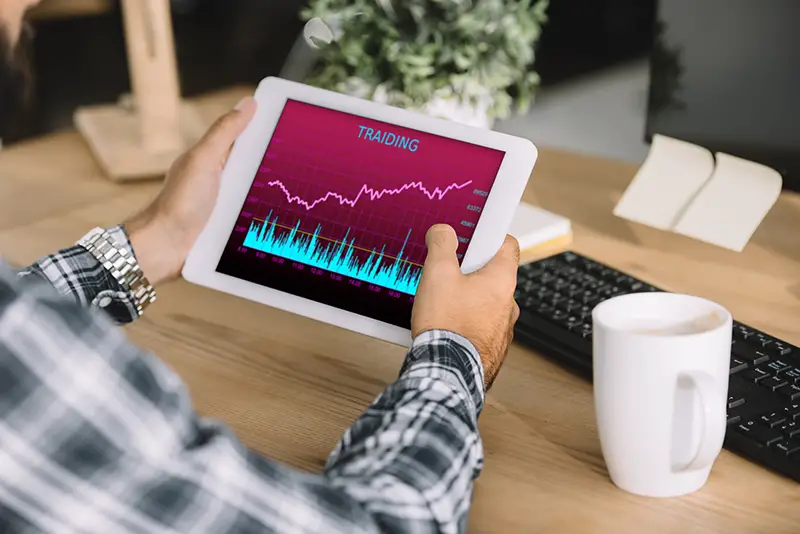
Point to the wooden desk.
(290, 393)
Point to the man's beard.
(15, 81)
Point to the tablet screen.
(338, 210)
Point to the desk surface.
(290, 395)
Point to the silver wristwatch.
(122, 265)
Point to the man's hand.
(165, 231)
(479, 306)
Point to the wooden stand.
(142, 140)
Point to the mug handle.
(714, 423)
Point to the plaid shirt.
(99, 436)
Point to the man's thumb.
(218, 140)
(442, 243)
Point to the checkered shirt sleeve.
(98, 436)
(75, 273)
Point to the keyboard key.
(733, 418)
(569, 322)
(762, 434)
(749, 354)
(779, 348)
(792, 375)
(544, 293)
(738, 365)
(735, 414)
(527, 274)
(573, 290)
(591, 265)
(585, 330)
(594, 286)
(791, 429)
(756, 375)
(742, 332)
(792, 412)
(606, 292)
(762, 339)
(788, 446)
(529, 290)
(772, 383)
(605, 272)
(564, 305)
(791, 392)
(566, 270)
(646, 288)
(529, 302)
(734, 401)
(558, 284)
(777, 366)
(773, 419)
(625, 281)
(593, 301)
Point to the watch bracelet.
(122, 266)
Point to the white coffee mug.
(661, 364)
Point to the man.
(98, 436)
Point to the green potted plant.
(465, 60)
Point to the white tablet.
(326, 199)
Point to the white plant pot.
(450, 108)
(454, 110)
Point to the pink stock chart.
(340, 206)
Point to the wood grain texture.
(290, 386)
(55, 9)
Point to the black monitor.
(725, 74)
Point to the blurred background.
(592, 76)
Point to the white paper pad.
(681, 188)
(732, 204)
(670, 177)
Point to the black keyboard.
(556, 296)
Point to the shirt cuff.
(448, 356)
(74, 272)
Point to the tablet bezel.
(248, 152)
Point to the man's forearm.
(416, 450)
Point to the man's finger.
(442, 243)
(218, 139)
